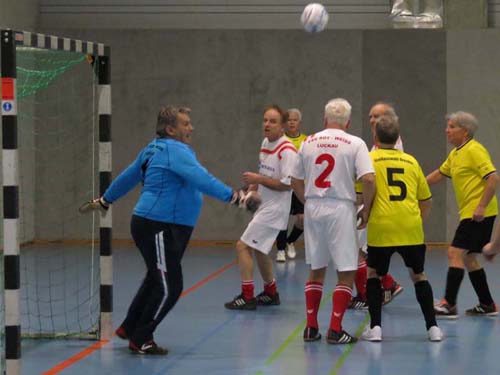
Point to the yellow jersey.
(395, 218)
(297, 141)
(467, 166)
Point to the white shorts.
(330, 233)
(259, 237)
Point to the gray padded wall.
(228, 77)
(408, 68)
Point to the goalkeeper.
(169, 205)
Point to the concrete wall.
(228, 77)
(208, 14)
(19, 14)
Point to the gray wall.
(19, 14)
(228, 77)
(208, 14)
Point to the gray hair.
(464, 120)
(297, 111)
(387, 129)
(338, 111)
(168, 117)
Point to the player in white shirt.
(277, 159)
(390, 286)
(328, 163)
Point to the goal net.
(58, 145)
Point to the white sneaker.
(435, 334)
(280, 256)
(290, 250)
(372, 334)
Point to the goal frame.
(100, 53)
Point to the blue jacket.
(173, 182)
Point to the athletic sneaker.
(311, 334)
(290, 250)
(149, 348)
(435, 334)
(444, 310)
(483, 310)
(358, 303)
(240, 303)
(120, 332)
(265, 299)
(334, 337)
(280, 256)
(372, 334)
(391, 293)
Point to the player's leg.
(377, 265)
(447, 307)
(318, 257)
(269, 296)
(281, 246)
(297, 210)
(480, 234)
(163, 260)
(342, 244)
(414, 258)
(313, 293)
(359, 301)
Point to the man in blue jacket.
(173, 182)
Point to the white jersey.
(330, 161)
(397, 146)
(276, 160)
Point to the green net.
(58, 169)
(37, 69)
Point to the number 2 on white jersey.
(321, 180)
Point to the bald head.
(378, 110)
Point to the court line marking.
(98, 345)
(290, 338)
(300, 327)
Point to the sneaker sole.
(378, 339)
(317, 338)
(448, 317)
(486, 314)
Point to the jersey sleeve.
(287, 164)
(445, 167)
(482, 161)
(363, 162)
(125, 181)
(358, 187)
(189, 168)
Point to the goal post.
(36, 179)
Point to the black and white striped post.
(106, 259)
(10, 176)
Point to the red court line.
(98, 345)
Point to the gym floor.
(205, 338)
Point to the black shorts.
(379, 258)
(473, 235)
(297, 207)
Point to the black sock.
(453, 281)
(478, 281)
(373, 297)
(281, 240)
(423, 291)
(294, 234)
